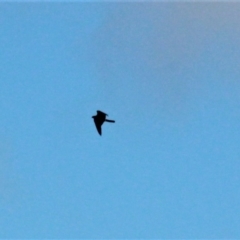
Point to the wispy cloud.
(160, 52)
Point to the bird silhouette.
(99, 119)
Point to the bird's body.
(99, 119)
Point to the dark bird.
(99, 119)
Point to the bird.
(99, 119)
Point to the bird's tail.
(112, 121)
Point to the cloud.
(158, 54)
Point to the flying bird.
(99, 119)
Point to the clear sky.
(168, 73)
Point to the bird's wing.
(101, 113)
(98, 126)
(107, 120)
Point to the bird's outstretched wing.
(107, 120)
(98, 126)
(101, 113)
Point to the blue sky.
(168, 73)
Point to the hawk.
(99, 119)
